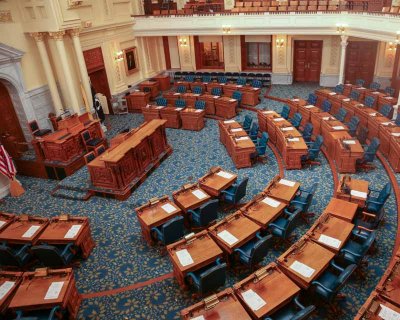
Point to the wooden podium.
(137, 100)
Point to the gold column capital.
(74, 32)
(58, 35)
(38, 36)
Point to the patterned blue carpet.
(121, 258)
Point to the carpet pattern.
(121, 258)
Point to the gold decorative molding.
(74, 3)
(74, 32)
(38, 36)
(58, 35)
(5, 16)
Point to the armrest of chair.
(317, 283)
(227, 192)
(23, 248)
(275, 226)
(53, 311)
(337, 267)
(372, 201)
(67, 247)
(192, 212)
(155, 230)
(241, 252)
(298, 202)
(351, 252)
(297, 302)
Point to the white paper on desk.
(253, 300)
(255, 89)
(30, 232)
(376, 92)
(287, 129)
(388, 314)
(325, 118)
(176, 94)
(349, 142)
(388, 98)
(396, 134)
(287, 182)
(361, 88)
(216, 97)
(232, 100)
(386, 123)
(295, 100)
(309, 106)
(278, 119)
(5, 288)
(168, 208)
(54, 290)
(198, 318)
(332, 93)
(73, 231)
(242, 138)
(184, 257)
(159, 107)
(228, 237)
(293, 139)
(198, 110)
(271, 202)
(239, 86)
(359, 194)
(222, 84)
(346, 100)
(199, 194)
(338, 128)
(268, 112)
(237, 130)
(178, 109)
(224, 174)
(332, 242)
(205, 82)
(302, 269)
(197, 94)
(229, 121)
(2, 223)
(373, 114)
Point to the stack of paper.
(168, 208)
(373, 114)
(278, 119)
(237, 130)
(176, 94)
(293, 139)
(359, 194)
(302, 269)
(349, 141)
(30, 232)
(198, 110)
(229, 121)
(198, 318)
(54, 290)
(184, 257)
(396, 134)
(199, 194)
(228, 237)
(242, 138)
(5, 288)
(178, 109)
(271, 202)
(253, 300)
(288, 129)
(388, 314)
(338, 128)
(346, 100)
(2, 223)
(159, 107)
(332, 93)
(332, 242)
(287, 182)
(325, 118)
(224, 174)
(268, 112)
(232, 100)
(73, 231)
(216, 97)
(309, 106)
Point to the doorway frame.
(294, 39)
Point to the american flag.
(6, 165)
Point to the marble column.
(66, 68)
(51, 82)
(74, 33)
(343, 44)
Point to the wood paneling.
(166, 53)
(396, 72)
(307, 60)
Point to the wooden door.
(360, 61)
(307, 60)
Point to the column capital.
(74, 32)
(344, 40)
(38, 36)
(58, 35)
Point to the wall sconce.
(341, 28)
(392, 46)
(280, 43)
(226, 29)
(183, 42)
(119, 56)
(397, 41)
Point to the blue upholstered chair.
(168, 232)
(241, 81)
(386, 110)
(54, 256)
(296, 120)
(314, 148)
(90, 143)
(369, 101)
(253, 133)
(390, 91)
(247, 123)
(375, 86)
(254, 251)
(368, 220)
(353, 125)
(200, 104)
(339, 89)
(261, 147)
(238, 96)
(235, 193)
(203, 216)
(294, 310)
(312, 99)
(198, 90)
(397, 121)
(285, 112)
(90, 156)
(181, 89)
(284, 225)
(208, 278)
(375, 203)
(216, 91)
(354, 95)
(54, 314)
(161, 102)
(360, 82)
(369, 156)
(328, 285)
(179, 103)
(362, 135)
(341, 115)
(206, 79)
(222, 79)
(307, 132)
(256, 83)
(356, 248)
(189, 78)
(326, 106)
(303, 201)
(15, 256)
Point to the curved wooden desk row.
(378, 126)
(24, 229)
(250, 95)
(42, 289)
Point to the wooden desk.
(271, 285)
(190, 99)
(250, 95)
(309, 253)
(61, 231)
(152, 86)
(394, 152)
(330, 232)
(9, 282)
(202, 249)
(210, 102)
(328, 127)
(155, 213)
(172, 115)
(202, 85)
(31, 294)
(190, 197)
(346, 186)
(172, 97)
(342, 209)
(137, 100)
(306, 112)
(151, 112)
(212, 85)
(376, 124)
(294, 105)
(186, 84)
(337, 102)
(223, 305)
(322, 94)
(386, 132)
(225, 107)
(347, 151)
(262, 119)
(192, 119)
(386, 100)
(282, 189)
(24, 229)
(373, 307)
(263, 210)
(389, 286)
(316, 120)
(238, 230)
(217, 180)
(361, 90)
(6, 219)
(164, 81)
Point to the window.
(209, 54)
(256, 55)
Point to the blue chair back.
(308, 131)
(206, 79)
(385, 193)
(161, 102)
(312, 99)
(179, 103)
(172, 230)
(200, 104)
(326, 106)
(240, 191)
(222, 79)
(397, 121)
(386, 110)
(339, 89)
(189, 78)
(292, 221)
(237, 95)
(375, 86)
(256, 83)
(360, 82)
(10, 257)
(181, 89)
(354, 95)
(370, 153)
(260, 250)
(362, 135)
(52, 256)
(241, 81)
(262, 144)
(390, 91)
(247, 122)
(296, 120)
(313, 152)
(197, 90)
(208, 212)
(285, 112)
(353, 125)
(216, 91)
(341, 115)
(369, 101)
(212, 278)
(254, 130)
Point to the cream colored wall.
(385, 61)
(232, 53)
(174, 52)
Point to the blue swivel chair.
(375, 86)
(216, 91)
(55, 313)
(314, 148)
(253, 134)
(168, 232)
(284, 225)
(261, 148)
(303, 201)
(294, 310)
(206, 79)
(312, 99)
(360, 82)
(386, 110)
(390, 91)
(296, 120)
(326, 106)
(238, 96)
(254, 251)
(369, 156)
(353, 125)
(369, 101)
(341, 115)
(375, 203)
(354, 95)
(370, 221)
(339, 89)
(179, 103)
(177, 75)
(256, 83)
(199, 104)
(235, 193)
(241, 81)
(161, 102)
(285, 112)
(181, 89)
(307, 132)
(54, 256)
(205, 215)
(247, 123)
(197, 90)
(15, 256)
(208, 278)
(189, 78)
(222, 79)
(328, 285)
(397, 121)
